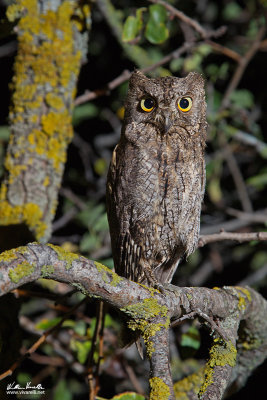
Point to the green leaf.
(259, 181)
(231, 11)
(23, 378)
(47, 324)
(156, 31)
(191, 338)
(62, 391)
(259, 260)
(193, 62)
(69, 323)
(100, 166)
(214, 190)
(264, 152)
(204, 49)
(4, 133)
(84, 112)
(81, 348)
(128, 396)
(101, 224)
(130, 29)
(89, 216)
(80, 328)
(89, 243)
(176, 64)
(242, 98)
(133, 26)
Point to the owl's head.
(169, 104)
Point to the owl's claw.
(171, 288)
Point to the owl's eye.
(185, 104)
(147, 104)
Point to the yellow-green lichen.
(148, 330)
(150, 289)
(107, 273)
(20, 271)
(141, 314)
(66, 256)
(29, 213)
(45, 73)
(47, 270)
(251, 344)
(158, 389)
(81, 289)
(241, 299)
(12, 254)
(191, 383)
(147, 309)
(221, 353)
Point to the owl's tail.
(128, 337)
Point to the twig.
(250, 140)
(239, 237)
(199, 313)
(129, 370)
(91, 376)
(255, 277)
(243, 62)
(73, 197)
(65, 219)
(257, 216)
(101, 343)
(91, 95)
(40, 341)
(224, 50)
(238, 178)
(232, 225)
(190, 21)
(87, 96)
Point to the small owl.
(156, 178)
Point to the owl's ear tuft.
(136, 78)
(196, 79)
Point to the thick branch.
(150, 312)
(50, 53)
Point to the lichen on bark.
(50, 50)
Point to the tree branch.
(239, 237)
(150, 312)
(190, 21)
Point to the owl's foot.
(150, 279)
(171, 288)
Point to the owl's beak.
(167, 124)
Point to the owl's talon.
(171, 288)
(159, 287)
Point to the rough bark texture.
(237, 317)
(50, 51)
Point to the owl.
(156, 178)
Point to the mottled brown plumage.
(156, 179)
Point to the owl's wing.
(126, 252)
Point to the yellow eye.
(147, 104)
(185, 104)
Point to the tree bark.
(51, 47)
